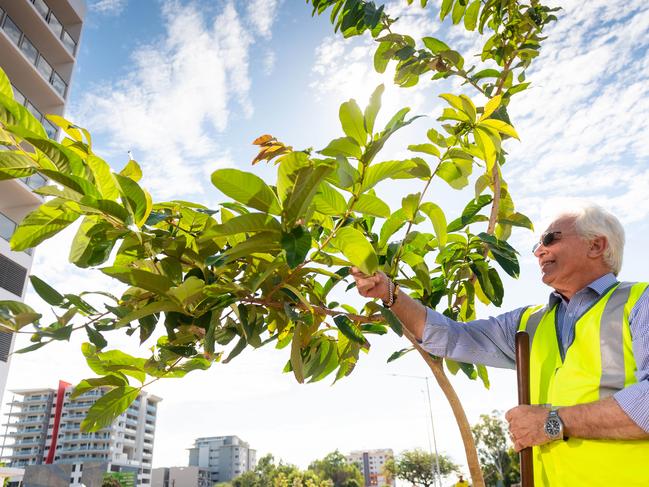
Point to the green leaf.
(435, 45)
(113, 361)
(132, 171)
(350, 329)
(425, 148)
(104, 179)
(249, 223)
(95, 382)
(355, 247)
(91, 245)
(344, 146)
(458, 11)
(486, 73)
(15, 165)
(263, 242)
(95, 337)
(391, 226)
(20, 117)
(471, 210)
(134, 198)
(446, 8)
(471, 15)
(102, 413)
(15, 315)
(490, 107)
(296, 244)
(399, 354)
(381, 60)
(517, 220)
(42, 223)
(306, 185)
(373, 108)
(5, 85)
(246, 188)
(409, 205)
(500, 126)
(392, 320)
(438, 219)
(386, 170)
(372, 205)
(483, 374)
(328, 201)
(46, 292)
(352, 121)
(504, 254)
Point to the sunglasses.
(547, 239)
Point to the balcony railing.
(55, 25)
(33, 55)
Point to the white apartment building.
(44, 429)
(226, 457)
(181, 477)
(370, 463)
(38, 45)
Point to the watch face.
(553, 427)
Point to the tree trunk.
(437, 367)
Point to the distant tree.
(418, 467)
(111, 482)
(267, 473)
(334, 467)
(498, 459)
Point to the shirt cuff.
(435, 336)
(634, 401)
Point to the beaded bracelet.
(393, 293)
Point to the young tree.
(419, 467)
(258, 269)
(334, 467)
(499, 461)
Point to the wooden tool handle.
(523, 378)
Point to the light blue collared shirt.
(490, 341)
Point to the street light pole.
(436, 471)
(432, 426)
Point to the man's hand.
(526, 426)
(374, 286)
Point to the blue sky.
(187, 85)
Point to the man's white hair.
(593, 221)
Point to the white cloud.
(108, 7)
(181, 90)
(261, 14)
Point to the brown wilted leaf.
(269, 148)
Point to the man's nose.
(540, 251)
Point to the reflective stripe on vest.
(597, 364)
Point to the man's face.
(564, 261)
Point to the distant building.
(39, 41)
(181, 477)
(370, 463)
(45, 430)
(225, 457)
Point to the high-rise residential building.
(225, 457)
(44, 428)
(181, 477)
(370, 463)
(39, 42)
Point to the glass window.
(50, 129)
(69, 43)
(34, 111)
(12, 30)
(44, 68)
(58, 84)
(29, 50)
(35, 181)
(55, 25)
(42, 8)
(7, 227)
(18, 96)
(2, 12)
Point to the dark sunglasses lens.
(548, 238)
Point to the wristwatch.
(553, 425)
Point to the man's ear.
(598, 246)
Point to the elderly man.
(589, 363)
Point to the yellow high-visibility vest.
(597, 364)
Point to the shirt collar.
(599, 286)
